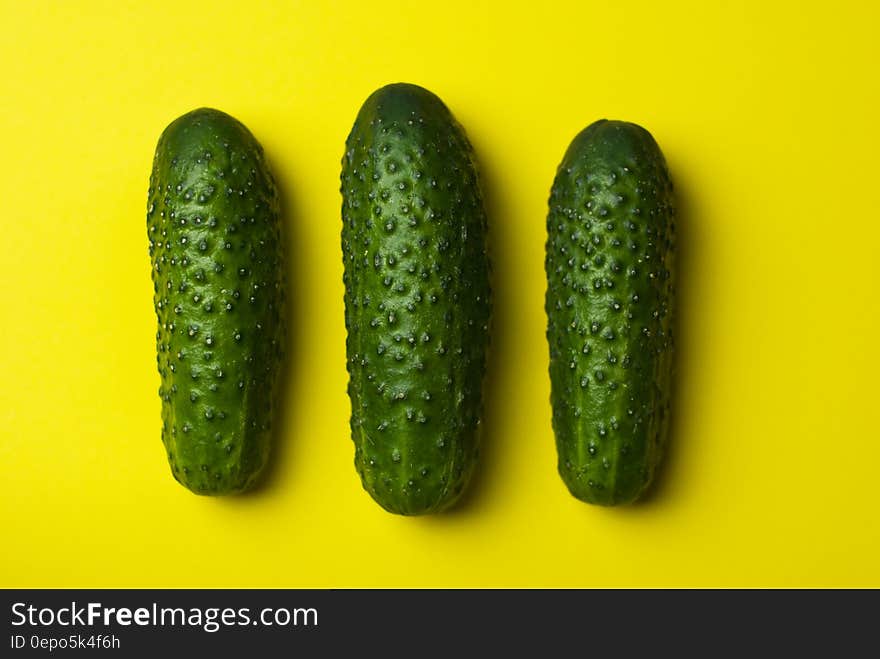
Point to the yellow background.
(767, 113)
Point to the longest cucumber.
(417, 299)
(218, 280)
(610, 265)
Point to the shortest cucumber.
(218, 280)
(610, 286)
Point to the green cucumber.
(218, 279)
(610, 274)
(417, 299)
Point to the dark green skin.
(609, 263)
(215, 245)
(417, 301)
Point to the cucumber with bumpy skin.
(218, 280)
(610, 270)
(417, 299)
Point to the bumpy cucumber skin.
(417, 299)
(218, 279)
(610, 270)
